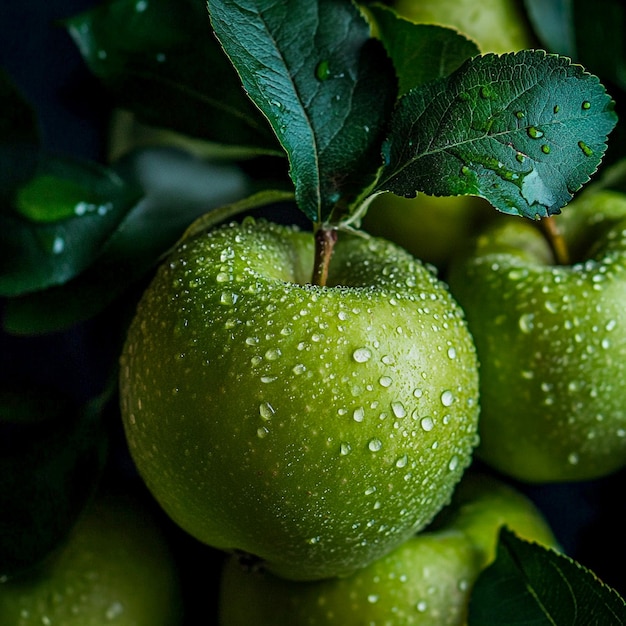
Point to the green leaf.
(57, 223)
(524, 130)
(177, 188)
(160, 60)
(552, 21)
(529, 585)
(420, 52)
(324, 85)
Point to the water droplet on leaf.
(322, 71)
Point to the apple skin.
(495, 25)
(116, 568)
(551, 340)
(315, 428)
(426, 581)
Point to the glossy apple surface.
(551, 340)
(426, 581)
(116, 568)
(315, 428)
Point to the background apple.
(116, 568)
(495, 25)
(429, 227)
(551, 340)
(313, 427)
(425, 581)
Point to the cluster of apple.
(320, 434)
(316, 432)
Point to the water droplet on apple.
(398, 409)
(447, 398)
(385, 381)
(358, 414)
(454, 463)
(370, 490)
(402, 461)
(418, 393)
(272, 354)
(266, 411)
(345, 448)
(573, 458)
(372, 598)
(262, 432)
(421, 606)
(227, 254)
(427, 423)
(299, 369)
(526, 322)
(375, 445)
(228, 298)
(451, 353)
(362, 355)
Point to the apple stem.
(325, 239)
(556, 240)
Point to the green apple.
(116, 568)
(429, 227)
(495, 25)
(314, 428)
(551, 340)
(426, 581)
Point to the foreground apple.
(426, 581)
(116, 568)
(551, 340)
(315, 428)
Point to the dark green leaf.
(57, 223)
(324, 85)
(160, 60)
(524, 130)
(420, 52)
(552, 21)
(178, 188)
(529, 585)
